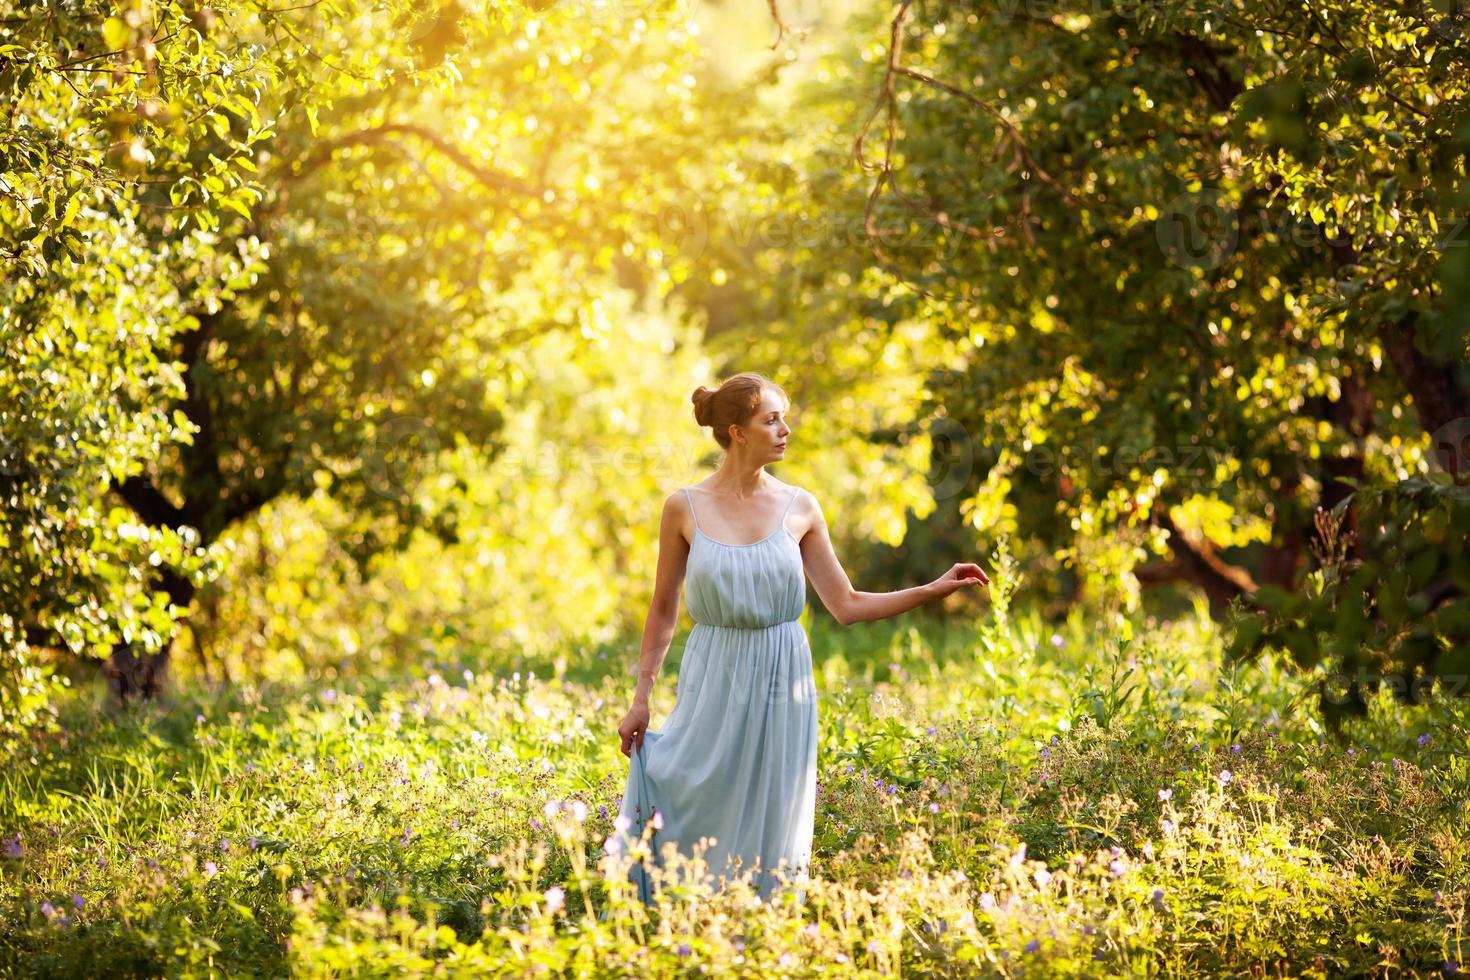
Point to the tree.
(1204, 265)
(303, 232)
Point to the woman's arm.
(846, 604)
(662, 621)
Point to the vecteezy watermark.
(1198, 229)
(1449, 446)
(1202, 229)
(1339, 688)
(952, 451)
(689, 228)
(1201, 461)
(398, 454)
(1447, 18)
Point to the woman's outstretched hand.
(959, 576)
(633, 727)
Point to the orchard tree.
(257, 249)
(1205, 270)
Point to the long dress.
(736, 761)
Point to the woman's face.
(767, 430)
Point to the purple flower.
(78, 901)
(1235, 749)
(224, 844)
(602, 812)
(1424, 739)
(556, 897)
(933, 807)
(47, 909)
(874, 946)
(535, 824)
(1165, 795)
(813, 929)
(1116, 868)
(1225, 777)
(254, 842)
(739, 945)
(683, 949)
(210, 869)
(931, 730)
(13, 848)
(1158, 899)
(1057, 641)
(1045, 752)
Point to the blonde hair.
(734, 402)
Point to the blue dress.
(736, 761)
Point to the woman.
(735, 766)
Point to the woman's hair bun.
(701, 398)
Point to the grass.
(1011, 798)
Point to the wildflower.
(602, 811)
(1158, 899)
(1057, 641)
(1033, 946)
(739, 945)
(1451, 968)
(224, 844)
(152, 864)
(874, 946)
(683, 949)
(210, 869)
(785, 959)
(656, 821)
(254, 842)
(551, 808)
(1424, 740)
(555, 897)
(612, 845)
(930, 730)
(1235, 749)
(47, 909)
(892, 788)
(1165, 795)
(579, 811)
(1116, 868)
(1352, 751)
(1148, 850)
(13, 848)
(622, 823)
(933, 807)
(813, 929)
(78, 901)
(1043, 878)
(1225, 777)
(1088, 929)
(1045, 752)
(199, 719)
(987, 901)
(842, 958)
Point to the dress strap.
(689, 497)
(794, 494)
